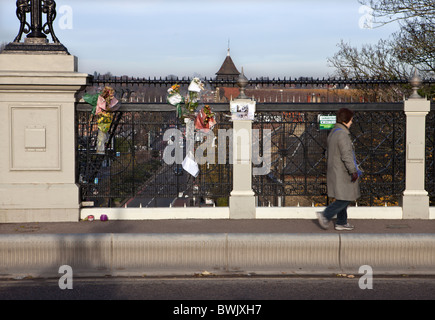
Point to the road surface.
(215, 289)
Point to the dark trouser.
(339, 208)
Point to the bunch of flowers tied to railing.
(104, 104)
(188, 107)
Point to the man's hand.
(354, 177)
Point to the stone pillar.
(415, 202)
(242, 199)
(37, 160)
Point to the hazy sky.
(147, 38)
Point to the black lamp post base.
(34, 46)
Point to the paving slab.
(191, 226)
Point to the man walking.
(342, 174)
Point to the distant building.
(228, 70)
(224, 92)
(285, 94)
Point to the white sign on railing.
(242, 109)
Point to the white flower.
(175, 99)
(196, 85)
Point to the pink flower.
(112, 104)
(102, 106)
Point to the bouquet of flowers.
(105, 121)
(175, 98)
(186, 106)
(205, 119)
(106, 101)
(187, 109)
(196, 86)
(104, 104)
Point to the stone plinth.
(37, 159)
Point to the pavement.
(216, 247)
(200, 226)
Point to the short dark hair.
(344, 115)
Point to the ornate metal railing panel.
(380, 144)
(298, 169)
(215, 179)
(132, 172)
(430, 154)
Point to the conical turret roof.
(228, 70)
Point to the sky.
(157, 38)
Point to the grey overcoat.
(341, 165)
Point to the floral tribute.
(205, 120)
(188, 107)
(104, 104)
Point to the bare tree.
(370, 61)
(376, 61)
(411, 47)
(414, 43)
(388, 11)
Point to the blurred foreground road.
(217, 289)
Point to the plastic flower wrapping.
(205, 120)
(105, 121)
(106, 101)
(103, 105)
(196, 85)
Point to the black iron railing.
(298, 175)
(430, 155)
(261, 81)
(132, 170)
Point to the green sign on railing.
(327, 122)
